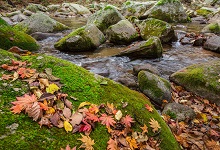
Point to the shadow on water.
(101, 61)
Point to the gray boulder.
(179, 112)
(86, 38)
(155, 27)
(105, 17)
(40, 22)
(137, 9)
(155, 87)
(122, 32)
(213, 43)
(169, 11)
(76, 8)
(151, 48)
(201, 79)
(36, 7)
(145, 67)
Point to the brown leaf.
(34, 111)
(54, 119)
(6, 77)
(212, 145)
(67, 112)
(107, 120)
(132, 142)
(68, 103)
(76, 118)
(68, 148)
(45, 121)
(87, 142)
(144, 129)
(112, 145)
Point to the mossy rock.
(122, 32)
(202, 79)
(105, 17)
(155, 27)
(152, 48)
(167, 10)
(3, 22)
(36, 7)
(40, 22)
(86, 38)
(155, 87)
(212, 28)
(83, 85)
(203, 12)
(11, 37)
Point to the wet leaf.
(26, 72)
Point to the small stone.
(39, 57)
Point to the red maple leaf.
(23, 103)
(127, 120)
(26, 72)
(149, 108)
(107, 120)
(92, 117)
(86, 127)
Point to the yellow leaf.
(204, 117)
(52, 88)
(84, 104)
(154, 124)
(67, 126)
(132, 142)
(50, 110)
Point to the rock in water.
(151, 48)
(201, 79)
(167, 10)
(155, 87)
(122, 33)
(86, 38)
(213, 44)
(40, 22)
(212, 28)
(105, 17)
(155, 27)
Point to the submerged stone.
(201, 79)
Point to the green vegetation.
(3, 22)
(162, 2)
(203, 12)
(214, 28)
(171, 114)
(12, 37)
(83, 85)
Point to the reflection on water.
(175, 57)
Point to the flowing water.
(101, 61)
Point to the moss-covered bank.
(81, 84)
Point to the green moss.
(162, 2)
(171, 114)
(214, 28)
(108, 7)
(11, 37)
(128, 3)
(203, 12)
(3, 22)
(81, 84)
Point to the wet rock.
(86, 38)
(151, 48)
(36, 7)
(40, 22)
(155, 87)
(129, 81)
(39, 36)
(105, 17)
(169, 11)
(211, 28)
(187, 40)
(18, 18)
(154, 27)
(137, 9)
(201, 79)
(76, 8)
(179, 112)
(213, 43)
(199, 41)
(145, 67)
(122, 33)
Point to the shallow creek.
(175, 56)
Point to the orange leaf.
(149, 108)
(87, 142)
(6, 77)
(127, 120)
(26, 72)
(112, 145)
(69, 148)
(107, 120)
(132, 142)
(144, 129)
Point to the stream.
(175, 57)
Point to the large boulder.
(167, 10)
(155, 87)
(122, 32)
(202, 79)
(40, 22)
(36, 7)
(76, 8)
(11, 37)
(213, 43)
(21, 132)
(105, 17)
(137, 9)
(151, 48)
(86, 38)
(155, 27)
(211, 28)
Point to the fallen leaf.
(34, 111)
(118, 115)
(154, 124)
(132, 142)
(76, 118)
(26, 72)
(55, 119)
(110, 108)
(127, 120)
(15, 76)
(67, 126)
(87, 142)
(68, 103)
(92, 117)
(93, 109)
(112, 145)
(45, 121)
(144, 129)
(52, 88)
(6, 77)
(85, 127)
(107, 120)
(67, 112)
(68, 148)
(84, 104)
(148, 107)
